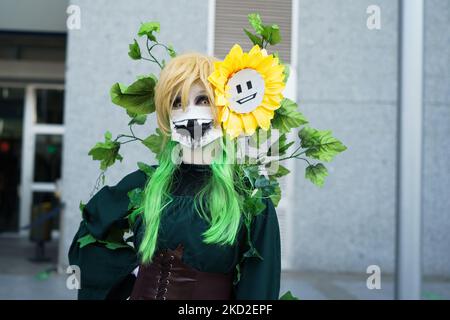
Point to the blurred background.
(379, 214)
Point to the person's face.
(194, 126)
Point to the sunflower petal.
(249, 122)
(256, 50)
(216, 79)
(234, 125)
(269, 104)
(220, 100)
(224, 114)
(273, 99)
(263, 117)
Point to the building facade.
(345, 77)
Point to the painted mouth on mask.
(246, 99)
(193, 128)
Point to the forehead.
(197, 87)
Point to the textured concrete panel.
(349, 224)
(436, 140)
(340, 58)
(348, 82)
(436, 186)
(437, 52)
(97, 57)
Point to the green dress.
(106, 270)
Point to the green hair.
(217, 202)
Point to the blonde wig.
(176, 79)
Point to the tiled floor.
(23, 279)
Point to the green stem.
(128, 141)
(159, 44)
(131, 130)
(97, 182)
(294, 157)
(149, 49)
(127, 136)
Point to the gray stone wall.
(348, 83)
(436, 139)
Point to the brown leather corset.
(167, 277)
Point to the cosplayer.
(199, 224)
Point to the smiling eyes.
(201, 100)
(239, 88)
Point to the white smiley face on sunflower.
(248, 89)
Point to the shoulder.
(110, 204)
(130, 181)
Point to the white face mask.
(194, 126)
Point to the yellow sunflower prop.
(248, 89)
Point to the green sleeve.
(260, 276)
(103, 269)
(109, 206)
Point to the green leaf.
(138, 98)
(134, 50)
(287, 116)
(133, 215)
(316, 173)
(148, 170)
(82, 206)
(276, 196)
(282, 171)
(254, 38)
(255, 21)
(288, 296)
(251, 173)
(113, 241)
(136, 196)
(171, 51)
(266, 185)
(237, 274)
(271, 34)
(254, 205)
(320, 145)
(138, 119)
(107, 152)
(155, 142)
(114, 245)
(283, 145)
(252, 253)
(87, 239)
(148, 28)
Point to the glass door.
(42, 155)
(11, 127)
